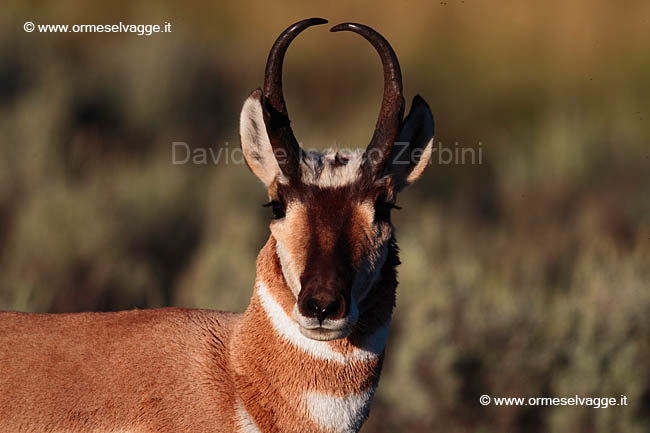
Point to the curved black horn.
(284, 143)
(392, 106)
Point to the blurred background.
(526, 275)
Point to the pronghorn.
(306, 354)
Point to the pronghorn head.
(331, 211)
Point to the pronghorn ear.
(412, 150)
(255, 142)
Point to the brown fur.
(137, 371)
(173, 369)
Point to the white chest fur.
(339, 414)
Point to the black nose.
(322, 307)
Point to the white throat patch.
(339, 414)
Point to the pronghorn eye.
(277, 207)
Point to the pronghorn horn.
(284, 143)
(392, 106)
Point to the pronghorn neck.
(311, 385)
